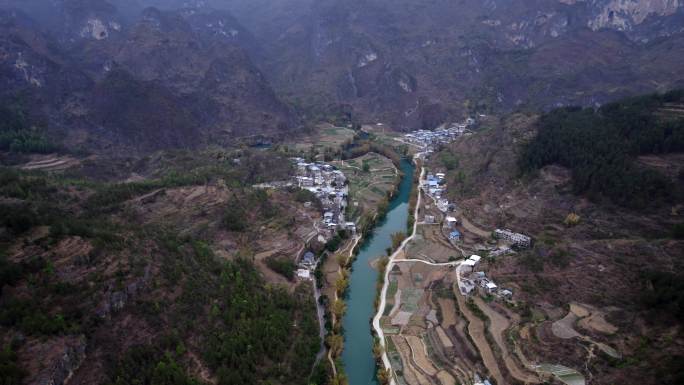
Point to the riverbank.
(357, 355)
(383, 293)
(336, 271)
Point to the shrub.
(333, 243)
(678, 231)
(449, 160)
(476, 309)
(282, 266)
(30, 318)
(234, 217)
(664, 291)
(572, 220)
(17, 135)
(149, 364)
(18, 219)
(302, 195)
(10, 372)
(397, 239)
(10, 273)
(366, 166)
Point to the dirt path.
(383, 293)
(476, 330)
(421, 148)
(564, 328)
(453, 263)
(497, 327)
(203, 372)
(270, 275)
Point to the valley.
(470, 290)
(341, 192)
(473, 319)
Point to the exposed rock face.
(623, 15)
(59, 359)
(404, 62)
(467, 55)
(163, 79)
(115, 300)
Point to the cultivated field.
(368, 188)
(326, 136)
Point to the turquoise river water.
(357, 357)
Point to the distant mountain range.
(162, 79)
(416, 63)
(155, 73)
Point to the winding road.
(383, 294)
(452, 263)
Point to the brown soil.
(476, 330)
(597, 323)
(445, 378)
(448, 311)
(419, 355)
(412, 375)
(497, 327)
(444, 338)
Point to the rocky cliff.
(163, 78)
(416, 62)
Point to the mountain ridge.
(207, 73)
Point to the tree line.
(600, 146)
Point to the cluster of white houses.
(331, 188)
(471, 280)
(429, 139)
(435, 186)
(306, 265)
(517, 240)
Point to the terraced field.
(326, 136)
(370, 187)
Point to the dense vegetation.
(153, 364)
(198, 308)
(17, 135)
(10, 372)
(261, 338)
(600, 146)
(363, 144)
(664, 291)
(282, 265)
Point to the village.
(439, 284)
(506, 241)
(447, 255)
(330, 186)
(430, 140)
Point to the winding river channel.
(357, 357)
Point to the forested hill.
(601, 146)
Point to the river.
(357, 357)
